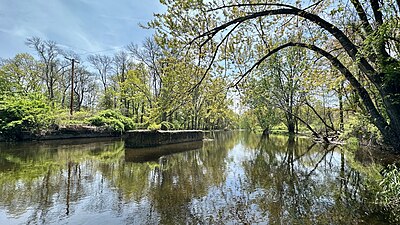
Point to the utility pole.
(71, 106)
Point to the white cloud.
(91, 25)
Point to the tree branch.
(213, 57)
(248, 4)
(319, 116)
(363, 16)
(346, 43)
(305, 123)
(362, 92)
(377, 12)
(262, 4)
(380, 45)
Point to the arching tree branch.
(379, 120)
(346, 43)
(262, 4)
(377, 12)
(250, 4)
(213, 57)
(363, 16)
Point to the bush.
(29, 113)
(154, 126)
(78, 118)
(361, 128)
(113, 119)
(166, 125)
(280, 127)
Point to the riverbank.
(66, 132)
(134, 138)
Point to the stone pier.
(149, 138)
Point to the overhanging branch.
(261, 4)
(213, 57)
(346, 43)
(362, 92)
(363, 16)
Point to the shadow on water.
(237, 178)
(154, 153)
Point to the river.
(236, 178)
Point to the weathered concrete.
(148, 138)
(154, 153)
(68, 132)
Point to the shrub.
(361, 128)
(29, 113)
(280, 127)
(154, 126)
(113, 119)
(166, 125)
(78, 118)
(176, 125)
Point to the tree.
(48, 53)
(103, 66)
(286, 70)
(369, 40)
(258, 98)
(135, 91)
(150, 54)
(121, 66)
(84, 86)
(20, 74)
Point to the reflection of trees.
(304, 183)
(237, 178)
(43, 175)
(180, 178)
(173, 181)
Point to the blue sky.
(79, 25)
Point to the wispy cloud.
(83, 25)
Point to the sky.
(83, 26)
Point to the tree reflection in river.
(306, 183)
(238, 178)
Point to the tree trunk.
(266, 132)
(142, 114)
(291, 125)
(340, 96)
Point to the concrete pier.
(149, 138)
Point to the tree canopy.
(360, 39)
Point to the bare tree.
(103, 65)
(121, 62)
(48, 52)
(84, 85)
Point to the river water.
(237, 178)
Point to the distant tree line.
(149, 84)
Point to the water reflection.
(238, 178)
(154, 153)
